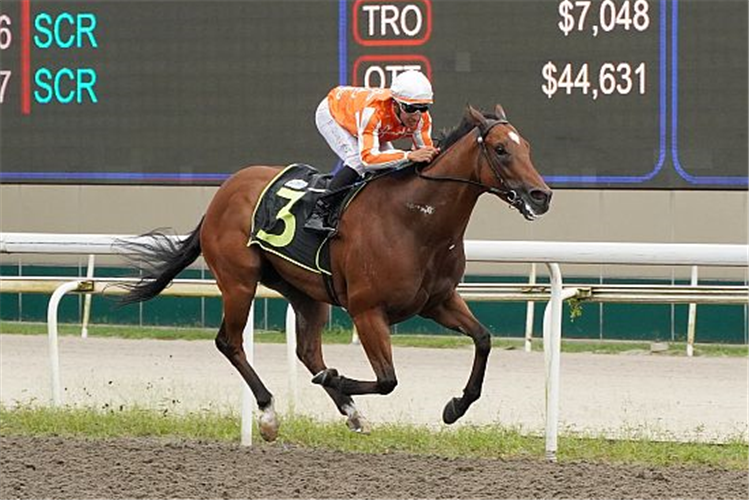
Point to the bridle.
(504, 192)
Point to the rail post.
(529, 312)
(248, 343)
(54, 353)
(692, 321)
(291, 357)
(87, 298)
(552, 354)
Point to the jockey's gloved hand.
(425, 154)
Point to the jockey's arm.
(372, 156)
(376, 156)
(424, 150)
(422, 136)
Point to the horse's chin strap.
(503, 191)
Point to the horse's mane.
(447, 137)
(443, 140)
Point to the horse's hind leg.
(311, 317)
(237, 292)
(374, 333)
(455, 314)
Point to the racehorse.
(404, 261)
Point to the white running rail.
(549, 253)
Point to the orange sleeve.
(423, 134)
(368, 129)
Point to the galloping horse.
(405, 261)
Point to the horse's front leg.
(454, 314)
(374, 334)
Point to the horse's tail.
(160, 257)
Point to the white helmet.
(412, 87)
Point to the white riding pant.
(340, 140)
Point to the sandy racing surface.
(667, 397)
(140, 468)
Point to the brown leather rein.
(504, 192)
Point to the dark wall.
(625, 94)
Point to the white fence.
(549, 253)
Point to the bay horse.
(398, 253)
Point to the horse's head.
(505, 164)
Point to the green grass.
(341, 336)
(116, 331)
(490, 441)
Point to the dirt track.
(700, 398)
(141, 468)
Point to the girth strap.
(328, 280)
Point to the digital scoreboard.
(646, 94)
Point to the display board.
(610, 93)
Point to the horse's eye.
(500, 149)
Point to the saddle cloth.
(280, 215)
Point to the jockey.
(359, 124)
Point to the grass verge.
(492, 441)
(342, 336)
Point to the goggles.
(413, 108)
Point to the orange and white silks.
(368, 114)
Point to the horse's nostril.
(540, 196)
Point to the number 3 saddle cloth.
(284, 206)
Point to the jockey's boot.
(318, 218)
(344, 177)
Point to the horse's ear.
(499, 112)
(475, 116)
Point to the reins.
(503, 192)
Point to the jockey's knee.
(386, 384)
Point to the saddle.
(283, 208)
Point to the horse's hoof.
(324, 377)
(452, 411)
(357, 423)
(268, 425)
